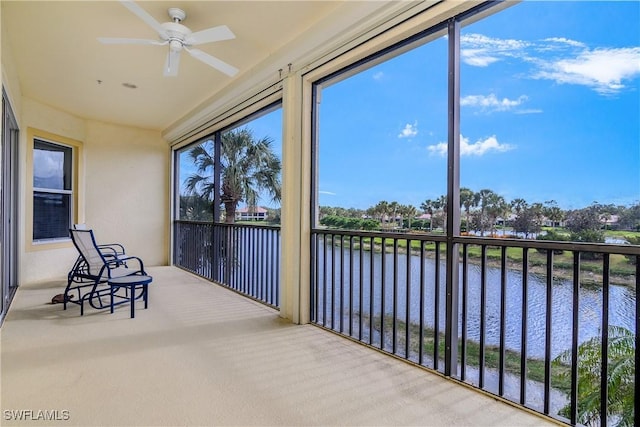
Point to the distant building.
(251, 214)
(609, 220)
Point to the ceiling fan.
(178, 38)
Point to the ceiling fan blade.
(214, 34)
(213, 62)
(144, 15)
(172, 63)
(113, 40)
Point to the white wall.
(127, 189)
(123, 194)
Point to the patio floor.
(203, 355)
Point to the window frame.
(34, 135)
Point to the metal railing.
(245, 258)
(529, 313)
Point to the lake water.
(621, 301)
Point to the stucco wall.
(123, 194)
(127, 189)
(124, 184)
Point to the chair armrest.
(114, 249)
(119, 261)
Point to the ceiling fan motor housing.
(176, 34)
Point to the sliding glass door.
(8, 207)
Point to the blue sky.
(550, 95)
(550, 107)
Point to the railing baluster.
(324, 279)
(604, 349)
(637, 344)
(361, 300)
(371, 288)
(503, 318)
(524, 326)
(350, 285)
(436, 310)
(547, 334)
(333, 281)
(341, 284)
(483, 308)
(383, 292)
(463, 323)
(573, 394)
(422, 302)
(394, 342)
(407, 303)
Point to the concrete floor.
(202, 355)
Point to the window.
(52, 190)
(376, 127)
(253, 152)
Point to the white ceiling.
(61, 63)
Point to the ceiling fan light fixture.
(175, 45)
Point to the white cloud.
(409, 131)
(481, 51)
(478, 57)
(563, 60)
(478, 148)
(529, 111)
(604, 70)
(329, 193)
(563, 40)
(491, 103)
(378, 76)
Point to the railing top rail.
(609, 248)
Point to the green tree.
(468, 199)
(620, 382)
(486, 198)
(630, 217)
(428, 207)
(497, 208)
(248, 168)
(552, 211)
(526, 222)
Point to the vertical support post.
(295, 277)
(453, 201)
(217, 166)
(216, 240)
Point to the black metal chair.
(109, 250)
(88, 279)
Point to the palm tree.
(248, 167)
(468, 199)
(485, 196)
(553, 212)
(519, 205)
(620, 382)
(495, 207)
(393, 210)
(427, 207)
(381, 210)
(408, 212)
